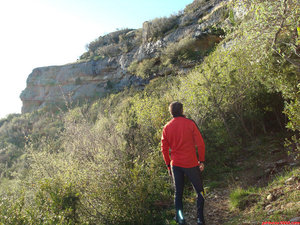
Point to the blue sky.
(36, 33)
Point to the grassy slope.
(278, 201)
(267, 188)
(250, 172)
(240, 195)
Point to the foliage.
(240, 198)
(273, 48)
(194, 6)
(283, 198)
(108, 51)
(184, 53)
(85, 165)
(14, 134)
(112, 44)
(146, 68)
(158, 27)
(101, 41)
(180, 52)
(76, 172)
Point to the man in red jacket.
(182, 135)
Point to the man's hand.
(201, 166)
(170, 172)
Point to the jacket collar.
(179, 116)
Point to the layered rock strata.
(94, 78)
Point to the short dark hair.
(176, 109)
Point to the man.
(182, 135)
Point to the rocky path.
(216, 208)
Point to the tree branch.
(281, 24)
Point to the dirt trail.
(257, 172)
(216, 209)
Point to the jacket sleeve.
(165, 147)
(199, 142)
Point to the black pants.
(195, 176)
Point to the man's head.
(176, 109)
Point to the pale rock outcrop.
(57, 85)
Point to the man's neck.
(179, 116)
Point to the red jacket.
(182, 135)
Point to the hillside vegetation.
(100, 162)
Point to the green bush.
(85, 165)
(94, 176)
(160, 26)
(183, 51)
(146, 68)
(111, 38)
(194, 6)
(111, 44)
(108, 51)
(11, 208)
(240, 198)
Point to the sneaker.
(199, 222)
(181, 221)
(179, 218)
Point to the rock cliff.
(104, 67)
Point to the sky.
(37, 33)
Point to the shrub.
(194, 6)
(11, 207)
(240, 198)
(110, 45)
(146, 68)
(160, 26)
(180, 52)
(85, 165)
(108, 50)
(96, 173)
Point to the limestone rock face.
(93, 78)
(56, 85)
